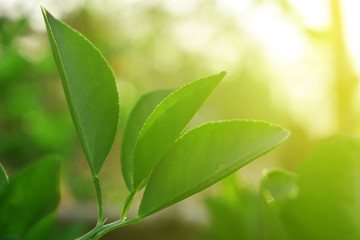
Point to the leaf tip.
(44, 11)
(287, 132)
(223, 73)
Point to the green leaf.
(141, 111)
(89, 87)
(49, 227)
(233, 211)
(43, 228)
(30, 196)
(278, 186)
(270, 225)
(3, 177)
(327, 206)
(205, 155)
(167, 122)
(234, 217)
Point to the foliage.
(211, 151)
(141, 111)
(159, 153)
(24, 200)
(27, 115)
(319, 202)
(328, 197)
(95, 118)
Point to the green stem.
(111, 226)
(90, 234)
(127, 205)
(99, 199)
(100, 230)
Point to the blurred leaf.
(141, 111)
(11, 64)
(205, 155)
(49, 228)
(233, 212)
(329, 185)
(167, 122)
(234, 221)
(11, 29)
(90, 90)
(241, 213)
(42, 229)
(53, 132)
(3, 177)
(30, 196)
(270, 225)
(278, 186)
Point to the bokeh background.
(294, 63)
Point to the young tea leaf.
(205, 155)
(3, 177)
(141, 111)
(167, 122)
(327, 206)
(89, 87)
(29, 196)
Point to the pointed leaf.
(30, 196)
(327, 206)
(3, 177)
(205, 155)
(167, 122)
(89, 87)
(141, 111)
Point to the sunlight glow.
(352, 31)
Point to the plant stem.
(90, 234)
(100, 230)
(127, 205)
(111, 226)
(99, 199)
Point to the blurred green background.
(294, 63)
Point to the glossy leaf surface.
(167, 122)
(141, 111)
(328, 206)
(90, 89)
(205, 155)
(29, 196)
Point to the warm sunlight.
(191, 119)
